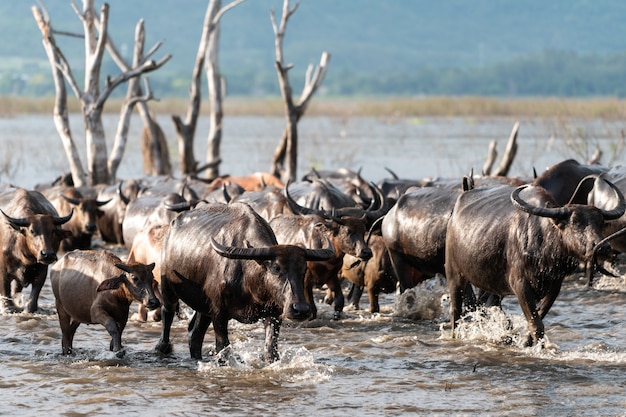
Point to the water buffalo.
(148, 210)
(563, 179)
(508, 240)
(311, 228)
(375, 274)
(224, 262)
(146, 249)
(119, 196)
(96, 287)
(82, 225)
(30, 237)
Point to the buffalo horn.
(320, 254)
(178, 207)
(58, 221)
(124, 199)
(551, 212)
(124, 268)
(15, 221)
(71, 200)
(295, 207)
(236, 252)
(103, 203)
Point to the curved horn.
(618, 211)
(393, 174)
(227, 196)
(236, 252)
(19, 222)
(124, 199)
(103, 203)
(178, 207)
(579, 188)
(551, 212)
(58, 221)
(295, 207)
(320, 254)
(71, 200)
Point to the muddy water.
(399, 362)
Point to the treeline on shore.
(471, 106)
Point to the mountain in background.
(377, 46)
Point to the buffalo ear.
(112, 283)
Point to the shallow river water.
(399, 362)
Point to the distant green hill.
(383, 44)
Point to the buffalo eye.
(275, 269)
(135, 280)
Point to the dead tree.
(186, 130)
(285, 159)
(507, 158)
(154, 145)
(92, 98)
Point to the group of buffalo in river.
(251, 248)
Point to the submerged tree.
(92, 97)
(207, 54)
(285, 159)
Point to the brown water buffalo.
(224, 262)
(375, 274)
(96, 287)
(146, 249)
(82, 225)
(520, 241)
(30, 236)
(311, 228)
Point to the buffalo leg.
(455, 288)
(339, 301)
(68, 330)
(272, 331)
(168, 309)
(526, 298)
(197, 329)
(406, 275)
(36, 274)
(5, 291)
(220, 328)
(372, 293)
(354, 295)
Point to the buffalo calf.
(97, 287)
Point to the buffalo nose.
(153, 303)
(365, 254)
(299, 311)
(90, 228)
(47, 256)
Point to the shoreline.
(471, 106)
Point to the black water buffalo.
(82, 225)
(119, 196)
(224, 262)
(508, 240)
(30, 236)
(96, 287)
(562, 181)
(414, 229)
(311, 228)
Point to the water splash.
(294, 365)
(424, 301)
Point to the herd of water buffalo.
(251, 248)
